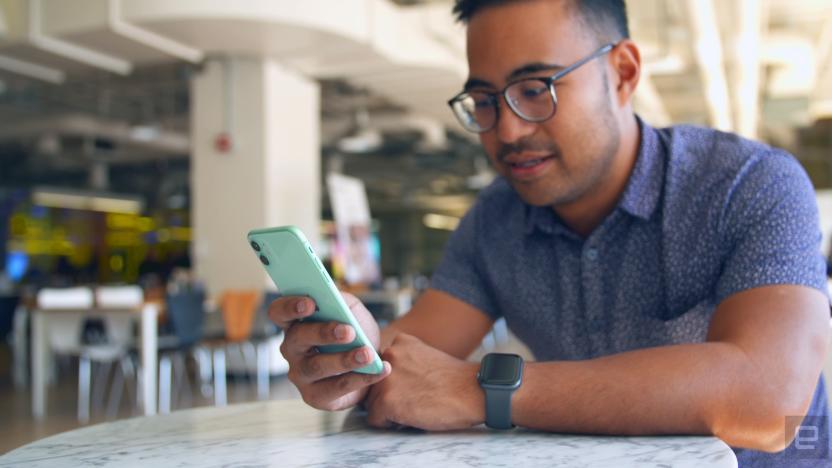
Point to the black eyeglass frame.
(548, 81)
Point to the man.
(667, 281)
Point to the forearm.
(707, 388)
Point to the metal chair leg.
(263, 370)
(84, 370)
(128, 370)
(249, 352)
(20, 346)
(99, 385)
(139, 385)
(115, 392)
(181, 384)
(202, 357)
(164, 384)
(220, 397)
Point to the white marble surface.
(289, 434)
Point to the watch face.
(501, 369)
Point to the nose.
(510, 127)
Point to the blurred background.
(141, 139)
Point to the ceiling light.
(32, 70)
(440, 221)
(364, 141)
(91, 201)
(144, 133)
(821, 109)
(362, 138)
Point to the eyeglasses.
(532, 99)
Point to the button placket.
(591, 254)
(593, 288)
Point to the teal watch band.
(498, 409)
(500, 376)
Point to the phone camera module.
(264, 260)
(255, 246)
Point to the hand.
(324, 380)
(427, 389)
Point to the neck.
(588, 212)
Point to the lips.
(529, 162)
(529, 168)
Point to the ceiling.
(770, 81)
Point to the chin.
(543, 196)
(537, 197)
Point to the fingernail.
(362, 356)
(341, 332)
(301, 306)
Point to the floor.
(17, 427)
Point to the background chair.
(64, 336)
(117, 302)
(66, 328)
(186, 314)
(238, 308)
(264, 335)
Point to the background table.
(289, 433)
(147, 315)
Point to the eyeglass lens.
(530, 99)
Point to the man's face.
(560, 160)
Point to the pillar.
(267, 176)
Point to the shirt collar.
(540, 217)
(645, 185)
(641, 196)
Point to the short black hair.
(607, 18)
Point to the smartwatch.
(499, 376)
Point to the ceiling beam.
(66, 49)
(32, 70)
(4, 25)
(148, 38)
(707, 49)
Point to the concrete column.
(268, 177)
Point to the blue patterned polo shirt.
(704, 215)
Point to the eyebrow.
(534, 67)
(476, 83)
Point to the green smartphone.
(296, 271)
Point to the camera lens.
(255, 246)
(264, 260)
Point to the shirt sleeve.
(461, 272)
(771, 227)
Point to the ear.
(625, 61)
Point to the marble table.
(289, 434)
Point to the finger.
(287, 309)
(302, 337)
(321, 366)
(338, 386)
